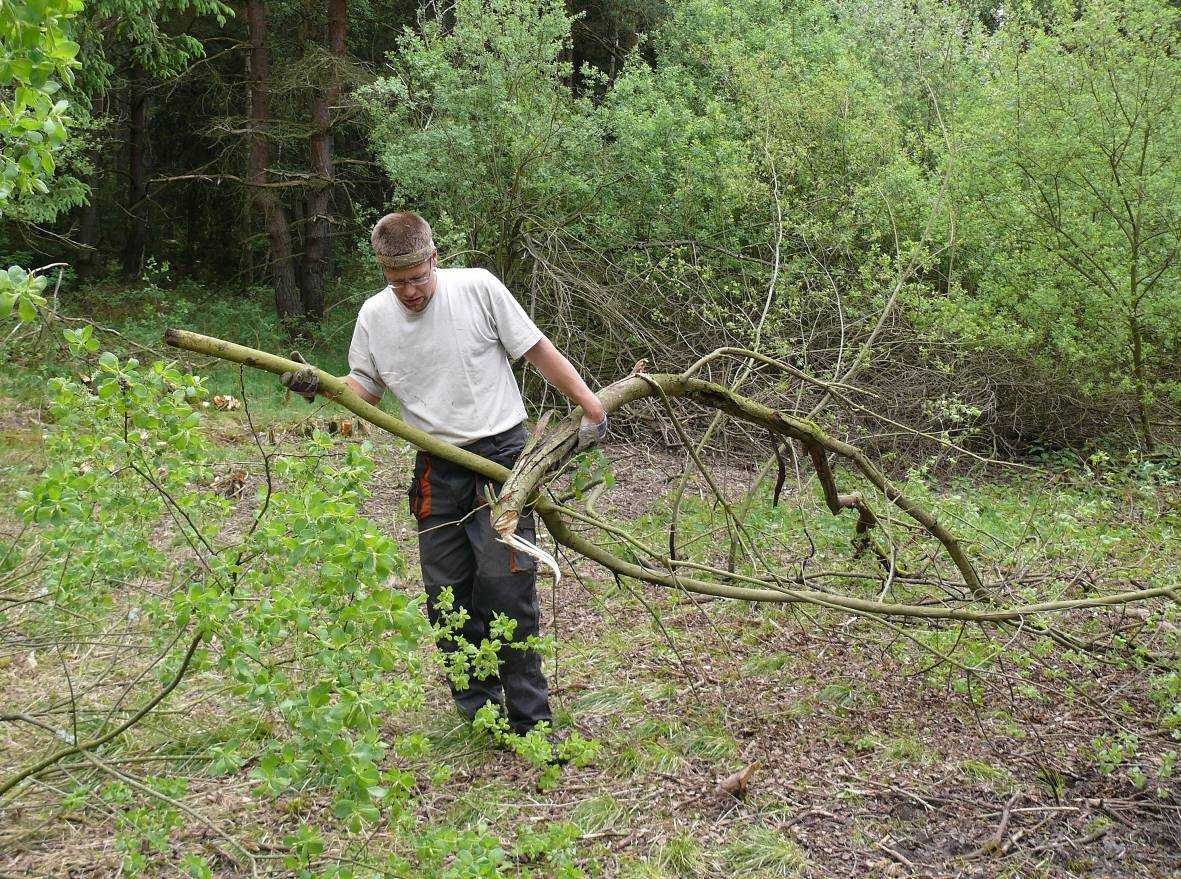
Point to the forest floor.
(870, 759)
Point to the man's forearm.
(560, 373)
(356, 388)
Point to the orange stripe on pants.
(424, 491)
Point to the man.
(442, 341)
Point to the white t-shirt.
(448, 364)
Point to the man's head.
(405, 250)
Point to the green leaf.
(27, 310)
(318, 695)
(20, 69)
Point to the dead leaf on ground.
(736, 784)
(345, 427)
(230, 484)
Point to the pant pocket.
(521, 562)
(440, 488)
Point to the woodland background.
(950, 231)
(996, 186)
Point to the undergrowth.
(257, 560)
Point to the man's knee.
(514, 596)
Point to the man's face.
(414, 285)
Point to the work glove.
(590, 433)
(305, 383)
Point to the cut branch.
(521, 486)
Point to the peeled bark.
(548, 454)
(288, 304)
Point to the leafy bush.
(1066, 182)
(266, 577)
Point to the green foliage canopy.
(1067, 177)
(36, 57)
(478, 127)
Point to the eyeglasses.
(416, 281)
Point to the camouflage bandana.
(404, 260)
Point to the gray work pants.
(458, 548)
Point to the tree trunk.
(88, 262)
(1141, 385)
(1138, 379)
(317, 262)
(192, 251)
(288, 305)
(137, 172)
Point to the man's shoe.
(555, 740)
(470, 716)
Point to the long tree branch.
(553, 448)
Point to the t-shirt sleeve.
(516, 330)
(362, 369)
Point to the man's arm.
(306, 384)
(558, 371)
(355, 386)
